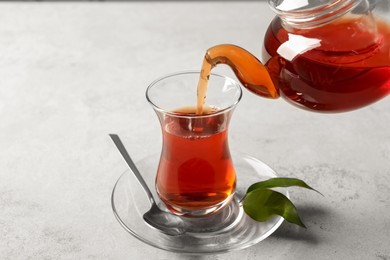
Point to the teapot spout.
(252, 74)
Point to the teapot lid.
(311, 13)
(299, 5)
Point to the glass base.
(227, 230)
(201, 212)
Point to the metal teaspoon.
(163, 221)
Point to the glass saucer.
(129, 203)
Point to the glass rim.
(176, 114)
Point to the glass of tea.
(195, 176)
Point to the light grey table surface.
(70, 73)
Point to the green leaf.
(279, 182)
(262, 204)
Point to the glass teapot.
(320, 55)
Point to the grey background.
(70, 73)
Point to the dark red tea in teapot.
(338, 76)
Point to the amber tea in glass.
(195, 176)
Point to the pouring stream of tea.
(248, 69)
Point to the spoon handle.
(117, 141)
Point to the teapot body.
(332, 57)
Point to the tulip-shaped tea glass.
(195, 176)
